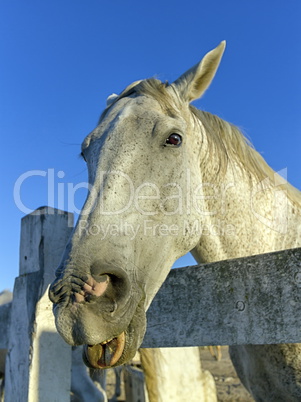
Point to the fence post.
(38, 364)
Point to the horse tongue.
(105, 354)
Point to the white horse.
(157, 167)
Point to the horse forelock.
(151, 87)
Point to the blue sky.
(61, 59)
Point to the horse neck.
(245, 218)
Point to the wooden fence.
(253, 300)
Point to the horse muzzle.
(103, 310)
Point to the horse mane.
(230, 144)
(224, 139)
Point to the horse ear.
(192, 84)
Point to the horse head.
(143, 158)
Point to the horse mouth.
(105, 354)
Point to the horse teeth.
(109, 340)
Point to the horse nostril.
(118, 286)
(97, 286)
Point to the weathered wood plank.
(38, 363)
(252, 300)
(5, 321)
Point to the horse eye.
(174, 139)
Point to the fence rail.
(253, 300)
